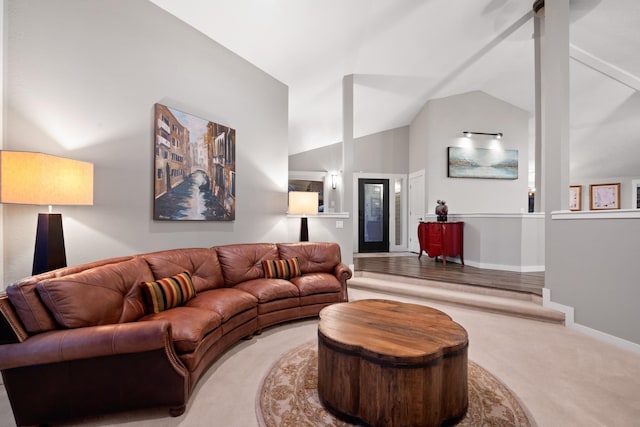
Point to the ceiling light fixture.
(470, 134)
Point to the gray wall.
(591, 266)
(384, 152)
(440, 125)
(324, 159)
(512, 242)
(81, 79)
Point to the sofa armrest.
(11, 329)
(343, 273)
(84, 343)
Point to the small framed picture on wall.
(635, 193)
(575, 198)
(604, 196)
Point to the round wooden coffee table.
(389, 363)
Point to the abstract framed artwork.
(575, 198)
(604, 196)
(486, 163)
(194, 168)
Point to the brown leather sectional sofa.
(84, 340)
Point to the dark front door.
(373, 215)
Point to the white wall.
(591, 267)
(3, 29)
(325, 228)
(81, 81)
(512, 242)
(440, 125)
(626, 189)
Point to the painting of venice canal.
(194, 173)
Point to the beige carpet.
(289, 396)
(564, 378)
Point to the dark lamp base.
(49, 252)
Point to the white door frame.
(392, 177)
(413, 230)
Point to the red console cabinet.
(441, 239)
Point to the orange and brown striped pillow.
(167, 293)
(281, 268)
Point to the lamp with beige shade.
(42, 179)
(303, 203)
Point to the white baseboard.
(594, 333)
(503, 267)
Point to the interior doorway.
(373, 215)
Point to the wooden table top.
(391, 331)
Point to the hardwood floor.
(428, 268)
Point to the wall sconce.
(40, 179)
(334, 181)
(469, 134)
(303, 203)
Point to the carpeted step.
(467, 288)
(491, 300)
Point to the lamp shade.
(303, 202)
(42, 179)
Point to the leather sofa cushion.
(313, 257)
(316, 283)
(201, 263)
(243, 262)
(25, 299)
(188, 325)
(269, 289)
(227, 302)
(98, 296)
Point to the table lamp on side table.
(41, 179)
(303, 203)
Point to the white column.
(539, 166)
(555, 105)
(350, 226)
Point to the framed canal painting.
(482, 163)
(194, 168)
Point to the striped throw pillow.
(167, 293)
(281, 268)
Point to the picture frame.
(604, 196)
(483, 163)
(635, 194)
(194, 171)
(575, 198)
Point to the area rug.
(288, 396)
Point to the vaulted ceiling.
(404, 52)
